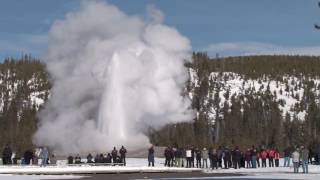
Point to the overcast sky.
(227, 27)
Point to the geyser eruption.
(113, 76)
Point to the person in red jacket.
(271, 158)
(247, 156)
(264, 155)
(276, 157)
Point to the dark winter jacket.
(227, 155)
(114, 153)
(7, 152)
(248, 155)
(198, 154)
(28, 155)
(287, 152)
(178, 153)
(151, 154)
(167, 153)
(123, 152)
(89, 158)
(70, 160)
(237, 155)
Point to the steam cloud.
(113, 76)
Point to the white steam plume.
(113, 76)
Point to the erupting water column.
(112, 104)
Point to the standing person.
(264, 155)
(178, 157)
(198, 158)
(311, 154)
(286, 154)
(237, 158)
(28, 156)
(123, 152)
(189, 157)
(253, 157)
(243, 159)
(151, 157)
(215, 159)
(192, 156)
(258, 158)
(304, 159)
(276, 157)
(248, 158)
(6, 155)
(271, 158)
(172, 159)
(44, 154)
(318, 154)
(114, 154)
(227, 158)
(204, 156)
(167, 156)
(183, 158)
(219, 152)
(296, 160)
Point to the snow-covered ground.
(271, 173)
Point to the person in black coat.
(214, 159)
(227, 158)
(77, 159)
(151, 156)
(192, 156)
(70, 159)
(89, 158)
(198, 158)
(6, 155)
(237, 156)
(114, 155)
(28, 156)
(167, 156)
(123, 152)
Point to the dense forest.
(244, 101)
(250, 100)
(24, 87)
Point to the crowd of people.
(188, 157)
(33, 156)
(29, 157)
(114, 158)
(223, 157)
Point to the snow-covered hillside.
(288, 91)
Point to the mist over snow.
(113, 76)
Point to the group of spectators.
(112, 158)
(188, 157)
(223, 157)
(29, 156)
(32, 157)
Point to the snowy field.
(283, 173)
